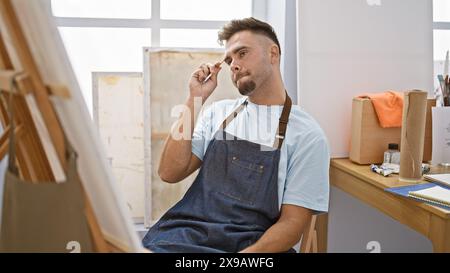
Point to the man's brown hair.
(251, 24)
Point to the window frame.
(439, 25)
(155, 23)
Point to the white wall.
(281, 14)
(346, 48)
(290, 50)
(276, 14)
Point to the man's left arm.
(285, 233)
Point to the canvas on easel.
(33, 46)
(166, 75)
(122, 131)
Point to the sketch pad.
(436, 195)
(443, 178)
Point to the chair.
(309, 237)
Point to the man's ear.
(274, 54)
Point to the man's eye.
(242, 53)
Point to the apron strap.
(71, 155)
(233, 115)
(282, 123)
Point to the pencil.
(210, 74)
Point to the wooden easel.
(33, 99)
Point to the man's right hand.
(196, 86)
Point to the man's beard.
(246, 87)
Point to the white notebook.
(436, 195)
(443, 178)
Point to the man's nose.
(235, 68)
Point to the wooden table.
(367, 186)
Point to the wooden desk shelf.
(369, 187)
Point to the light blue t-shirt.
(303, 177)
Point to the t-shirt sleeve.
(307, 181)
(202, 133)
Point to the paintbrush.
(441, 83)
(210, 74)
(445, 89)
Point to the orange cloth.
(388, 106)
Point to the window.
(108, 35)
(441, 35)
(210, 10)
(103, 50)
(178, 37)
(137, 9)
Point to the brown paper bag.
(44, 216)
(369, 140)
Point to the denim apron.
(233, 200)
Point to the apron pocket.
(242, 180)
